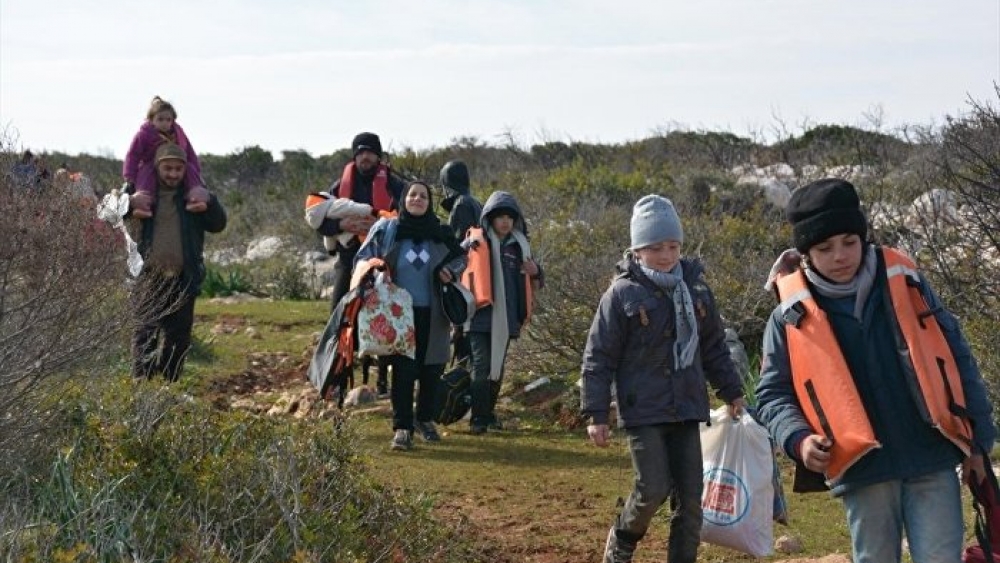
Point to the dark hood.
(455, 178)
(503, 200)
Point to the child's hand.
(530, 267)
(974, 467)
(599, 434)
(737, 408)
(815, 452)
(198, 194)
(141, 201)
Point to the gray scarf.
(860, 286)
(684, 320)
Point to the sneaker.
(617, 551)
(402, 440)
(428, 431)
(477, 429)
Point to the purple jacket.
(138, 166)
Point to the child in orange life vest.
(656, 337)
(867, 378)
(139, 170)
(506, 278)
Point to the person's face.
(163, 121)
(366, 161)
(502, 224)
(837, 258)
(417, 200)
(171, 172)
(662, 256)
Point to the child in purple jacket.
(139, 171)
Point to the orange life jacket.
(478, 274)
(823, 382)
(381, 200)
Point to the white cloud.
(310, 74)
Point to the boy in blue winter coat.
(656, 337)
(512, 275)
(867, 379)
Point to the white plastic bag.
(738, 500)
(112, 210)
(385, 321)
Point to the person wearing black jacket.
(171, 243)
(366, 179)
(463, 212)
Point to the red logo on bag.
(720, 497)
(725, 499)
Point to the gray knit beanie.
(654, 220)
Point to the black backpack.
(454, 397)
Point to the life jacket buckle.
(793, 315)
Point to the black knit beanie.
(366, 142)
(824, 208)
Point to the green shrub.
(225, 281)
(151, 475)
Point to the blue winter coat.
(637, 357)
(910, 447)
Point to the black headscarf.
(426, 226)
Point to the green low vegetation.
(97, 468)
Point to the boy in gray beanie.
(656, 337)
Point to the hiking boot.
(616, 550)
(428, 431)
(402, 440)
(477, 429)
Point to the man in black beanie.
(365, 179)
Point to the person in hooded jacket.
(512, 275)
(463, 212)
(656, 337)
(462, 207)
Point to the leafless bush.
(61, 306)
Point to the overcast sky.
(77, 76)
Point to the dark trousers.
(485, 392)
(164, 315)
(382, 365)
(667, 462)
(408, 373)
(343, 265)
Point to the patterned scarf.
(684, 319)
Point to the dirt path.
(273, 384)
